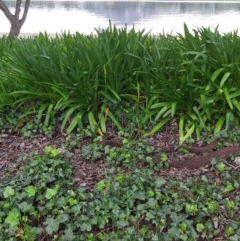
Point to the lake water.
(155, 16)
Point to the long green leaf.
(227, 96)
(219, 124)
(216, 74)
(157, 127)
(49, 115)
(189, 132)
(224, 79)
(67, 116)
(76, 121)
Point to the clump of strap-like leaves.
(124, 77)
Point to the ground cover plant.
(132, 200)
(86, 124)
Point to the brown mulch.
(88, 173)
(13, 146)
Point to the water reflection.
(84, 16)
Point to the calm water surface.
(168, 16)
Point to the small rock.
(237, 161)
(22, 145)
(215, 224)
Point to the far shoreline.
(26, 35)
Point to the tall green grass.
(123, 73)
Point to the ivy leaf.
(155, 238)
(13, 218)
(31, 191)
(25, 207)
(51, 192)
(149, 216)
(52, 225)
(122, 223)
(229, 187)
(54, 153)
(48, 149)
(220, 166)
(68, 235)
(159, 182)
(72, 201)
(140, 195)
(200, 227)
(9, 191)
(86, 227)
(62, 218)
(140, 207)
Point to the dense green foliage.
(132, 81)
(41, 203)
(120, 75)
